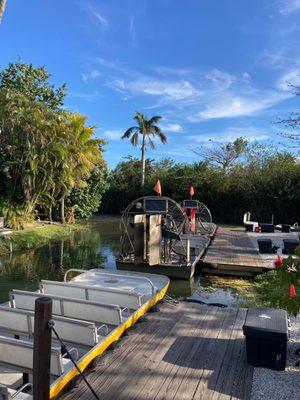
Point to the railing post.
(42, 349)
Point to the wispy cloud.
(114, 134)
(89, 76)
(171, 127)
(196, 95)
(97, 16)
(290, 77)
(173, 90)
(132, 28)
(287, 7)
(233, 106)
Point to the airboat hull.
(172, 271)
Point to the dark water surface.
(95, 247)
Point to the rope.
(64, 348)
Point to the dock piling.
(42, 349)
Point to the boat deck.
(232, 252)
(185, 351)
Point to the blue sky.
(214, 70)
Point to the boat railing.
(86, 333)
(69, 307)
(141, 278)
(76, 289)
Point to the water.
(97, 246)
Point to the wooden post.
(42, 349)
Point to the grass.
(35, 236)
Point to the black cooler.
(266, 332)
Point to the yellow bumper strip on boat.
(58, 385)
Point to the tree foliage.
(33, 83)
(46, 152)
(264, 186)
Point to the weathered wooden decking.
(184, 351)
(232, 253)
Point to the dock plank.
(232, 253)
(184, 351)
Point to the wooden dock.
(184, 351)
(232, 253)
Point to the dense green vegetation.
(263, 181)
(50, 161)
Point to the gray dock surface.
(232, 252)
(184, 351)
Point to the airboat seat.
(11, 394)
(72, 308)
(128, 299)
(21, 322)
(18, 354)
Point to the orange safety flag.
(157, 188)
(192, 191)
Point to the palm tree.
(148, 129)
(2, 8)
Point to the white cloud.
(232, 106)
(191, 94)
(171, 127)
(174, 90)
(291, 77)
(97, 16)
(88, 76)
(114, 134)
(132, 28)
(287, 7)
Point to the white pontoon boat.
(90, 312)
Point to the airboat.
(158, 235)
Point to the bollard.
(42, 349)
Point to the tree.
(148, 129)
(82, 155)
(32, 82)
(2, 8)
(86, 200)
(226, 155)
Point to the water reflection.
(97, 246)
(94, 247)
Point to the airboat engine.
(199, 219)
(151, 229)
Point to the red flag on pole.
(292, 291)
(157, 188)
(192, 191)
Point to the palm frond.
(151, 142)
(130, 131)
(154, 120)
(135, 138)
(155, 130)
(2, 8)
(141, 119)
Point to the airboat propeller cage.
(150, 227)
(199, 216)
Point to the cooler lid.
(266, 322)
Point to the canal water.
(94, 247)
